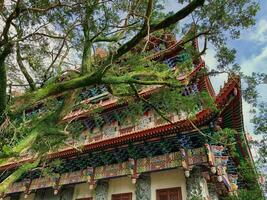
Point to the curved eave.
(232, 112)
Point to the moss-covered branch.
(181, 14)
(17, 174)
(87, 80)
(23, 145)
(29, 99)
(130, 80)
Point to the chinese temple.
(151, 159)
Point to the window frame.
(168, 190)
(120, 194)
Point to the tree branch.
(3, 80)
(106, 39)
(95, 78)
(178, 15)
(17, 174)
(54, 60)
(129, 80)
(16, 12)
(181, 14)
(178, 45)
(20, 62)
(27, 100)
(52, 6)
(87, 49)
(23, 68)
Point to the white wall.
(159, 180)
(82, 191)
(168, 179)
(121, 185)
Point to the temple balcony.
(113, 130)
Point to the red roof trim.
(229, 86)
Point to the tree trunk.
(3, 85)
(86, 59)
(23, 69)
(3, 80)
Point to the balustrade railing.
(112, 131)
(126, 130)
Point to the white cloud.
(258, 34)
(255, 63)
(209, 57)
(211, 63)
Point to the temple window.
(123, 196)
(94, 94)
(109, 131)
(145, 121)
(95, 135)
(190, 89)
(169, 194)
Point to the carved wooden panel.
(169, 194)
(124, 196)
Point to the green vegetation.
(49, 52)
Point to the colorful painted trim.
(133, 168)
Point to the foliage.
(260, 126)
(246, 169)
(52, 168)
(246, 195)
(197, 198)
(227, 138)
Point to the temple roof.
(227, 96)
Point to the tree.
(48, 51)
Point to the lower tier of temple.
(202, 172)
(168, 184)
